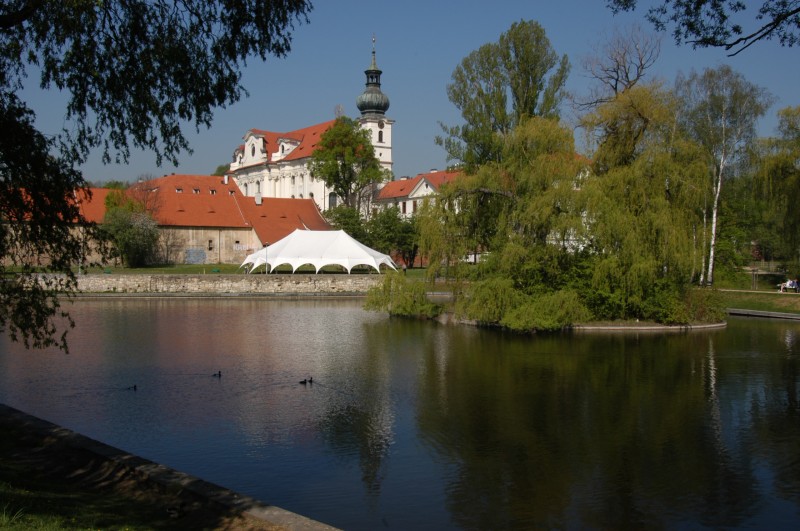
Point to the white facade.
(261, 176)
(271, 164)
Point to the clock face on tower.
(380, 124)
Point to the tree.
(345, 159)
(134, 234)
(713, 23)
(643, 208)
(390, 233)
(349, 220)
(499, 84)
(619, 63)
(130, 71)
(778, 176)
(720, 110)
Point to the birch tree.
(720, 111)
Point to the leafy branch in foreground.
(130, 72)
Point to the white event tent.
(318, 248)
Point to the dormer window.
(212, 192)
(283, 148)
(196, 191)
(178, 190)
(253, 150)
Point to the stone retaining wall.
(213, 284)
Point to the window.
(332, 200)
(301, 196)
(311, 195)
(213, 192)
(404, 207)
(195, 190)
(210, 245)
(178, 190)
(292, 180)
(380, 136)
(258, 187)
(253, 150)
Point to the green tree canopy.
(720, 109)
(345, 159)
(778, 175)
(499, 84)
(130, 71)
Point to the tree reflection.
(581, 432)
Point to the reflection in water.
(413, 425)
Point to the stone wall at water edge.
(218, 284)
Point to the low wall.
(215, 284)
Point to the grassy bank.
(770, 301)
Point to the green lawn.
(771, 301)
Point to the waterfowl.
(303, 382)
(217, 374)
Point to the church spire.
(373, 101)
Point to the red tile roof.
(93, 209)
(398, 188)
(403, 187)
(276, 218)
(206, 201)
(308, 137)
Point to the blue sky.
(419, 43)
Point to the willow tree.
(499, 84)
(523, 217)
(643, 208)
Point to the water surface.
(412, 425)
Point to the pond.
(414, 425)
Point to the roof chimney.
(225, 179)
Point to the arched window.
(258, 187)
(253, 150)
(380, 136)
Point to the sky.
(418, 45)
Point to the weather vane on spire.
(373, 42)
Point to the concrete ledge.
(648, 328)
(759, 313)
(161, 476)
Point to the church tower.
(373, 104)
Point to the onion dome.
(373, 101)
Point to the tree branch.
(16, 18)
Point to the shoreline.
(187, 501)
